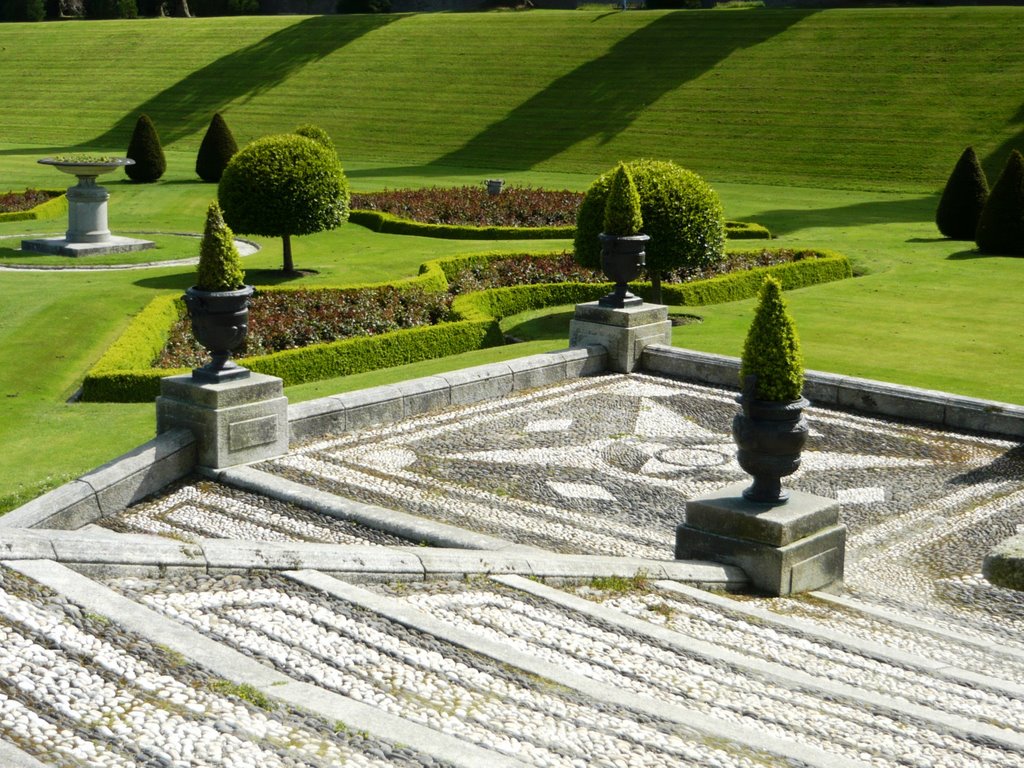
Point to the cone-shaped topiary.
(963, 198)
(220, 266)
(1001, 226)
(622, 216)
(317, 134)
(772, 349)
(144, 148)
(216, 150)
(681, 213)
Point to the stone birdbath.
(87, 232)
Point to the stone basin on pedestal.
(87, 232)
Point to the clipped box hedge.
(51, 209)
(388, 223)
(125, 372)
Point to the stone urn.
(622, 259)
(220, 322)
(770, 436)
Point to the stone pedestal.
(784, 549)
(623, 332)
(235, 422)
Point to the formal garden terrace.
(472, 505)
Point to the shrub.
(317, 134)
(681, 214)
(364, 6)
(1001, 226)
(622, 217)
(22, 10)
(220, 266)
(285, 185)
(144, 148)
(963, 198)
(216, 150)
(771, 352)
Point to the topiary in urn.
(622, 240)
(770, 431)
(218, 303)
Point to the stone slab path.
(372, 599)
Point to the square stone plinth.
(623, 332)
(235, 422)
(59, 246)
(783, 549)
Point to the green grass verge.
(763, 96)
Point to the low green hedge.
(388, 223)
(51, 209)
(124, 373)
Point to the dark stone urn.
(622, 258)
(220, 322)
(770, 436)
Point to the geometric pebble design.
(203, 509)
(75, 698)
(878, 738)
(385, 665)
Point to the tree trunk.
(288, 266)
(655, 287)
(181, 9)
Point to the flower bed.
(290, 319)
(14, 202)
(473, 206)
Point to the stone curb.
(807, 629)
(892, 617)
(112, 487)
(1004, 565)
(12, 757)
(121, 554)
(393, 402)
(693, 721)
(242, 670)
(863, 395)
(970, 730)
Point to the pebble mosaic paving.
(77, 691)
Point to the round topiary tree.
(317, 134)
(216, 150)
(144, 148)
(1001, 226)
(681, 214)
(963, 198)
(284, 185)
(771, 351)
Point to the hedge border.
(123, 373)
(388, 223)
(54, 207)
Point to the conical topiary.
(963, 198)
(220, 266)
(772, 349)
(144, 148)
(216, 150)
(622, 216)
(1001, 226)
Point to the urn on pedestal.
(623, 243)
(218, 303)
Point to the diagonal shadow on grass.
(786, 221)
(994, 161)
(605, 95)
(187, 106)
